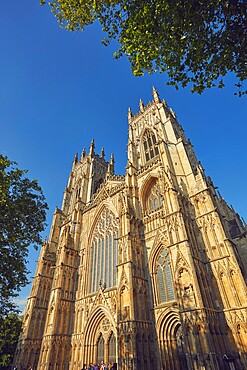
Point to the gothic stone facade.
(146, 269)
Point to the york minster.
(147, 269)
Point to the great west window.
(104, 252)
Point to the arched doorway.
(100, 338)
(170, 337)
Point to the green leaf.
(205, 38)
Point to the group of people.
(101, 366)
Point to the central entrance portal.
(100, 342)
(106, 349)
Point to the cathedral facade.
(147, 269)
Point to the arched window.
(150, 145)
(165, 289)
(104, 252)
(154, 199)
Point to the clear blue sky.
(58, 90)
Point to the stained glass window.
(104, 252)
(165, 287)
(154, 198)
(150, 145)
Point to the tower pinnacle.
(129, 114)
(83, 153)
(111, 165)
(102, 153)
(156, 95)
(76, 158)
(141, 106)
(91, 148)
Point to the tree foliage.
(22, 219)
(10, 328)
(195, 41)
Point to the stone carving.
(157, 246)
(186, 288)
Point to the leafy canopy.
(10, 328)
(22, 219)
(195, 42)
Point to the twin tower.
(145, 270)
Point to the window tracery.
(150, 145)
(104, 252)
(164, 283)
(154, 200)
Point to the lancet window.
(150, 145)
(164, 283)
(104, 252)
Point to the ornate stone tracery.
(154, 199)
(145, 269)
(104, 251)
(150, 145)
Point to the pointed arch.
(151, 195)
(94, 320)
(157, 247)
(152, 177)
(105, 204)
(171, 341)
(102, 259)
(161, 274)
(93, 332)
(149, 145)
